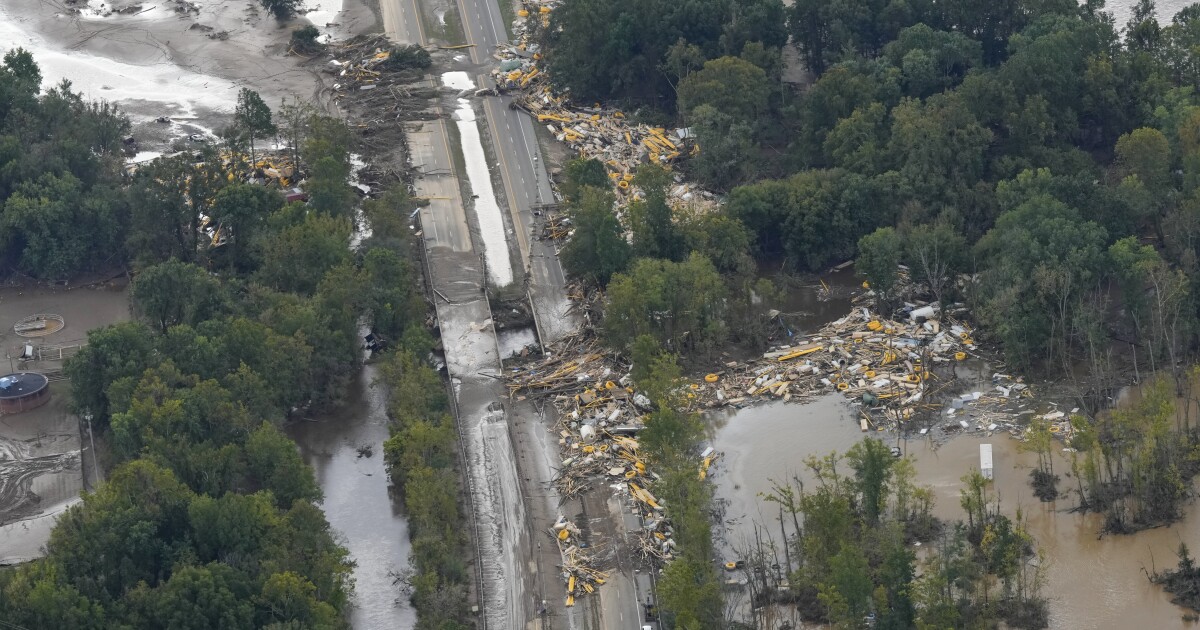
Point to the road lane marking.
(420, 26)
(518, 226)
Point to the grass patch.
(453, 30)
(508, 12)
(458, 160)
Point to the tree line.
(847, 538)
(1031, 159)
(1034, 146)
(208, 518)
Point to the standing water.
(1091, 581)
(345, 449)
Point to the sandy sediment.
(183, 60)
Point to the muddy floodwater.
(345, 449)
(45, 459)
(1091, 581)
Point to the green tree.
(846, 592)
(393, 302)
(728, 155)
(581, 173)
(680, 304)
(327, 190)
(58, 228)
(234, 525)
(274, 464)
(857, 142)
(112, 352)
(200, 597)
(597, 248)
(720, 238)
(252, 115)
(872, 463)
(686, 591)
(290, 598)
(651, 218)
(38, 597)
(938, 147)
(1041, 258)
(1146, 154)
(20, 81)
(241, 210)
(879, 255)
(125, 533)
(281, 9)
(306, 39)
(614, 49)
(1143, 33)
(732, 86)
(298, 257)
(174, 292)
(162, 222)
(932, 60)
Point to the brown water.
(1092, 582)
(807, 305)
(359, 501)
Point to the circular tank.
(23, 391)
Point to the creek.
(345, 449)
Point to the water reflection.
(345, 448)
(1091, 581)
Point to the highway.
(455, 270)
(526, 180)
(505, 442)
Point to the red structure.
(23, 391)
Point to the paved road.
(455, 270)
(520, 573)
(526, 180)
(527, 184)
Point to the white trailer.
(985, 460)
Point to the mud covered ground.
(45, 457)
(168, 58)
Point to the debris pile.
(365, 76)
(889, 366)
(595, 131)
(903, 373)
(378, 97)
(577, 565)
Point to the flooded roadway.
(1091, 581)
(345, 449)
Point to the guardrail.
(462, 447)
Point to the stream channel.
(359, 500)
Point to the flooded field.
(1092, 581)
(345, 449)
(809, 303)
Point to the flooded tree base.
(1030, 614)
(1045, 484)
(1183, 583)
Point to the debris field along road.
(526, 179)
